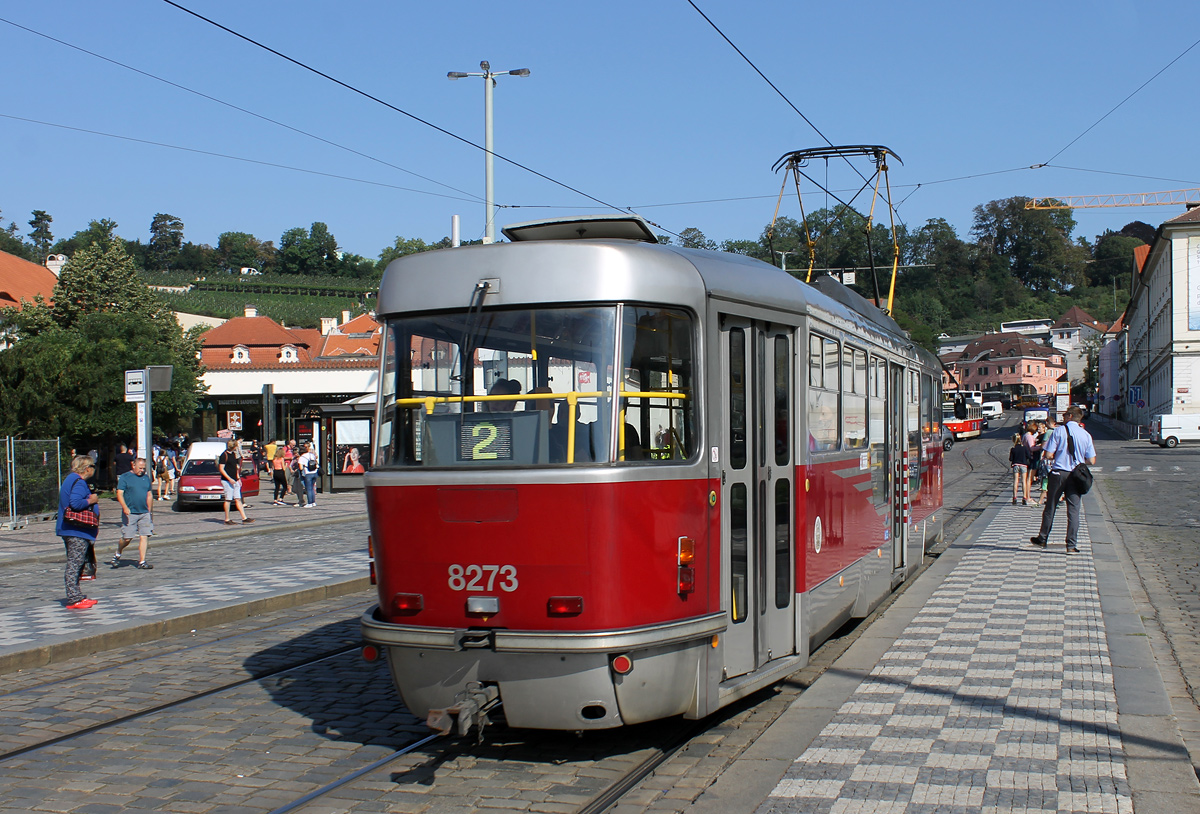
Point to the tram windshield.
(531, 387)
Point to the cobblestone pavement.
(1153, 496)
(999, 695)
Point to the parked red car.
(199, 482)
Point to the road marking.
(1147, 469)
(1177, 469)
(1121, 469)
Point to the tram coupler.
(469, 710)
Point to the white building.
(1163, 358)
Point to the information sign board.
(135, 385)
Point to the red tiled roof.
(1075, 317)
(22, 280)
(336, 345)
(361, 324)
(997, 346)
(254, 332)
(1140, 253)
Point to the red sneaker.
(82, 604)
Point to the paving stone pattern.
(998, 697)
(33, 624)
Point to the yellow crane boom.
(1175, 196)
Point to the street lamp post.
(489, 82)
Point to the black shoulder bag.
(1081, 475)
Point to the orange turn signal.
(687, 550)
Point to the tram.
(964, 419)
(616, 481)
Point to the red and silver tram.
(967, 425)
(616, 481)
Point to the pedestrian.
(1068, 446)
(289, 462)
(165, 472)
(137, 512)
(279, 475)
(1018, 461)
(229, 466)
(122, 461)
(78, 525)
(309, 468)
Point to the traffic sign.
(135, 385)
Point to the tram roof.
(613, 270)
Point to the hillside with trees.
(1013, 264)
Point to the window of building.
(288, 354)
(241, 354)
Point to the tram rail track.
(133, 716)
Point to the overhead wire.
(232, 106)
(401, 111)
(231, 157)
(1123, 101)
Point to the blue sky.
(637, 104)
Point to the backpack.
(311, 464)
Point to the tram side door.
(757, 469)
(897, 451)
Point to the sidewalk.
(37, 542)
(1006, 679)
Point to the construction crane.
(1177, 197)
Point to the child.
(1018, 460)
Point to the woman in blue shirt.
(78, 533)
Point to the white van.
(992, 409)
(1169, 430)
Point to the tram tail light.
(564, 605)
(687, 574)
(621, 665)
(370, 653)
(371, 559)
(408, 604)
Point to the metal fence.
(30, 475)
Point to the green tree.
(99, 231)
(400, 247)
(64, 374)
(166, 240)
(1113, 258)
(40, 233)
(312, 252)
(1035, 243)
(238, 250)
(199, 259)
(693, 238)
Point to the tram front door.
(755, 459)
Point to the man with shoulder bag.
(1070, 450)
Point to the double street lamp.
(489, 82)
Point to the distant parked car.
(947, 438)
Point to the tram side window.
(823, 399)
(927, 425)
(876, 433)
(739, 556)
(914, 433)
(854, 399)
(783, 389)
(658, 398)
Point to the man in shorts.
(229, 465)
(137, 512)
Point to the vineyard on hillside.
(297, 302)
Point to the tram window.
(522, 363)
(816, 369)
(854, 420)
(823, 401)
(860, 372)
(739, 552)
(783, 387)
(737, 398)
(658, 404)
(783, 543)
(927, 406)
